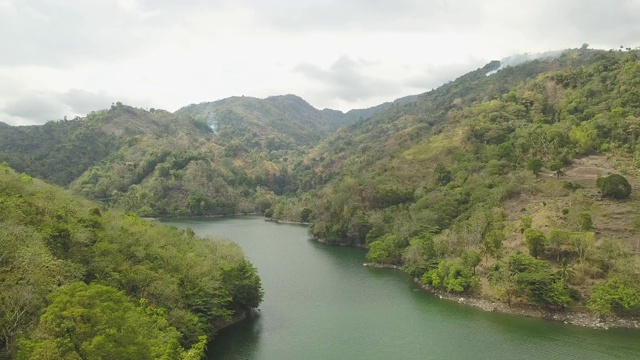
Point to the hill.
(224, 157)
(60, 151)
(451, 185)
(78, 281)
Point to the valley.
(519, 187)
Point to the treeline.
(432, 185)
(78, 281)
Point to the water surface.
(321, 303)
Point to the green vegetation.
(615, 186)
(464, 164)
(454, 185)
(78, 281)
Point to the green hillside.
(518, 185)
(462, 186)
(225, 157)
(60, 151)
(78, 281)
(277, 122)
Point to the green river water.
(321, 303)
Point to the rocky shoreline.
(583, 319)
(588, 320)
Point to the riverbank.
(287, 222)
(238, 317)
(583, 319)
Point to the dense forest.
(82, 282)
(517, 184)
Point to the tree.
(451, 277)
(492, 244)
(386, 250)
(420, 256)
(535, 165)
(584, 220)
(305, 215)
(557, 238)
(614, 297)
(99, 322)
(471, 259)
(582, 243)
(536, 242)
(556, 167)
(442, 175)
(614, 186)
(535, 280)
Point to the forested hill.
(285, 120)
(224, 157)
(282, 121)
(513, 185)
(60, 151)
(80, 282)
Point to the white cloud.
(66, 57)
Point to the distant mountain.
(288, 118)
(223, 157)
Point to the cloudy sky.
(67, 58)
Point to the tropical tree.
(535, 165)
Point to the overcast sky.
(67, 58)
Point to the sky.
(71, 57)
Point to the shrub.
(614, 186)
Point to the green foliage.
(614, 186)
(556, 167)
(421, 255)
(442, 175)
(585, 221)
(305, 215)
(615, 297)
(536, 242)
(525, 223)
(386, 250)
(557, 239)
(51, 239)
(471, 259)
(535, 165)
(451, 277)
(493, 243)
(534, 279)
(97, 322)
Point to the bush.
(451, 277)
(536, 241)
(614, 186)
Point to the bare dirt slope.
(553, 205)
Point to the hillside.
(78, 281)
(61, 151)
(510, 183)
(279, 122)
(158, 163)
(452, 186)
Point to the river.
(321, 303)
